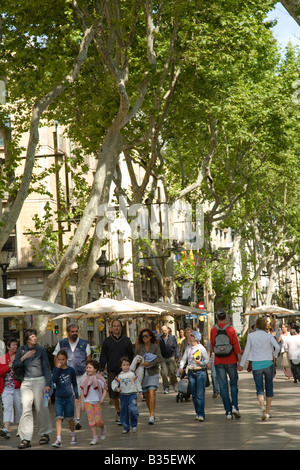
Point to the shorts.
(150, 382)
(150, 387)
(64, 408)
(110, 378)
(94, 414)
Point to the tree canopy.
(196, 93)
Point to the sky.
(286, 29)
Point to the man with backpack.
(227, 351)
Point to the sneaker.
(151, 420)
(229, 416)
(73, 441)
(125, 431)
(134, 429)
(56, 444)
(5, 433)
(118, 419)
(200, 418)
(263, 413)
(166, 390)
(103, 433)
(235, 412)
(94, 441)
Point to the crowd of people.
(127, 371)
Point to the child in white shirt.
(128, 384)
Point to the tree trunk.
(87, 270)
(293, 7)
(15, 205)
(99, 195)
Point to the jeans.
(222, 371)
(259, 376)
(129, 411)
(215, 383)
(197, 381)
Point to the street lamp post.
(4, 267)
(5, 255)
(288, 296)
(103, 264)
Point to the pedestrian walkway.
(175, 428)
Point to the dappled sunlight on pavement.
(175, 427)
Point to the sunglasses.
(145, 336)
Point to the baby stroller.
(184, 391)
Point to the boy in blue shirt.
(64, 378)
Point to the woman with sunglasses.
(148, 347)
(196, 358)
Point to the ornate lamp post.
(5, 255)
(103, 264)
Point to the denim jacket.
(35, 366)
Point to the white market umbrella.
(8, 308)
(6, 303)
(25, 305)
(178, 309)
(110, 307)
(143, 307)
(271, 310)
(14, 312)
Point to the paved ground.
(175, 430)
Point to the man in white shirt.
(292, 345)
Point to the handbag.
(285, 360)
(19, 372)
(207, 379)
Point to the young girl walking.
(64, 378)
(94, 390)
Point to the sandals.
(24, 444)
(44, 439)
